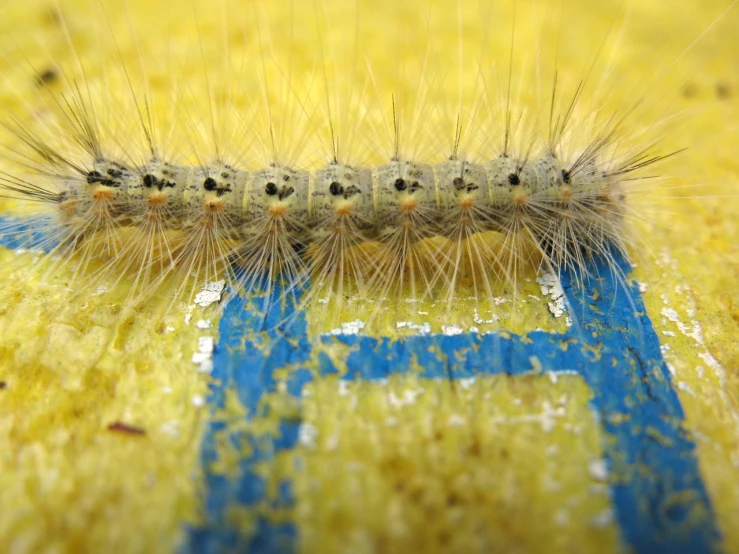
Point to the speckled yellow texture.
(72, 366)
(70, 370)
(425, 465)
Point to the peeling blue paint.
(660, 501)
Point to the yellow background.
(72, 365)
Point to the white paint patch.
(198, 401)
(210, 294)
(451, 330)
(477, 319)
(349, 328)
(408, 399)
(200, 357)
(39, 251)
(307, 435)
(206, 345)
(171, 428)
(203, 358)
(598, 470)
(551, 286)
(422, 328)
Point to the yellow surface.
(429, 466)
(72, 365)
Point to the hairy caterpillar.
(357, 215)
(174, 113)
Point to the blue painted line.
(247, 366)
(660, 501)
(659, 498)
(24, 233)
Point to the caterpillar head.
(216, 188)
(162, 183)
(107, 181)
(343, 191)
(462, 184)
(404, 188)
(511, 181)
(157, 184)
(551, 174)
(279, 191)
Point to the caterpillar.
(570, 211)
(516, 194)
(146, 161)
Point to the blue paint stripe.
(25, 233)
(659, 498)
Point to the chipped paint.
(211, 293)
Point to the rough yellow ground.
(72, 367)
(420, 465)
